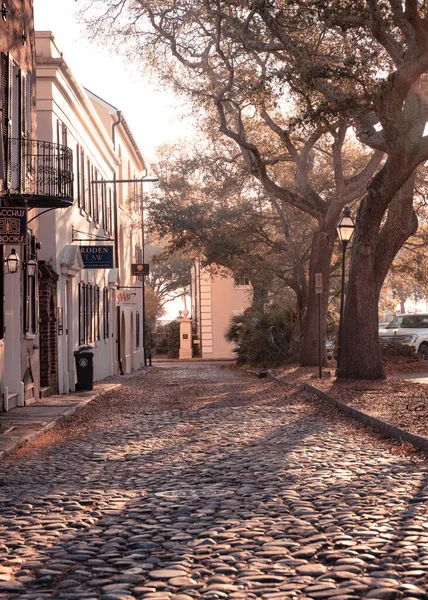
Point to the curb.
(377, 424)
(67, 414)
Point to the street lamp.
(345, 229)
(12, 262)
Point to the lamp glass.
(345, 227)
(31, 267)
(12, 262)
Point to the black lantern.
(345, 227)
(12, 262)
(4, 11)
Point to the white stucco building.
(84, 302)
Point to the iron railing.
(38, 173)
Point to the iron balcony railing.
(38, 173)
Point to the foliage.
(275, 77)
(173, 339)
(265, 339)
(398, 349)
(169, 277)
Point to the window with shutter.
(82, 179)
(82, 312)
(1, 294)
(79, 184)
(6, 83)
(22, 130)
(106, 313)
(89, 208)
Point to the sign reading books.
(97, 257)
(139, 269)
(13, 225)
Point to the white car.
(410, 329)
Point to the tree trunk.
(372, 254)
(319, 262)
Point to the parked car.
(410, 329)
(329, 346)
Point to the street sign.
(13, 226)
(97, 257)
(318, 283)
(139, 269)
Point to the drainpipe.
(115, 124)
(116, 244)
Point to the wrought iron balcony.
(37, 174)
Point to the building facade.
(88, 248)
(215, 299)
(36, 175)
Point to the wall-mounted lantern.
(24, 38)
(30, 267)
(4, 11)
(12, 262)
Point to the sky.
(152, 114)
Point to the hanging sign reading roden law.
(97, 257)
(13, 226)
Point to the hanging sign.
(126, 298)
(97, 257)
(13, 225)
(138, 269)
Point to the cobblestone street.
(197, 481)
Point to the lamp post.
(345, 229)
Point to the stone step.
(45, 392)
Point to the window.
(89, 207)
(241, 281)
(137, 329)
(7, 104)
(78, 177)
(106, 313)
(82, 312)
(95, 195)
(103, 191)
(97, 313)
(15, 123)
(89, 313)
(30, 289)
(109, 211)
(82, 180)
(1, 293)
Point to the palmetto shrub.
(265, 338)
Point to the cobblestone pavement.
(200, 482)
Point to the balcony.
(37, 174)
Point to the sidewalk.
(24, 424)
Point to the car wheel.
(423, 351)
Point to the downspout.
(115, 124)
(116, 245)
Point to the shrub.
(265, 339)
(173, 339)
(398, 349)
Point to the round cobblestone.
(219, 486)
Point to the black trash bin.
(85, 368)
